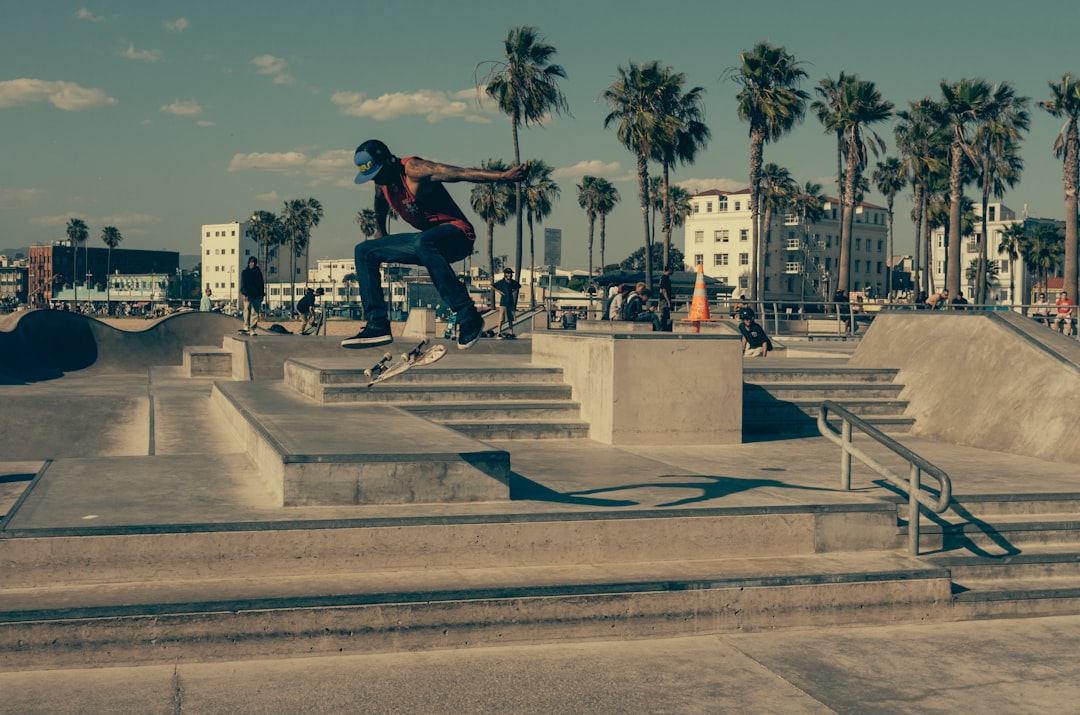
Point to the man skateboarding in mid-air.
(414, 188)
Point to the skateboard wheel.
(367, 373)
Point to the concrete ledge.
(420, 324)
(207, 361)
(651, 388)
(380, 454)
(613, 326)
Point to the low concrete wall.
(420, 324)
(655, 388)
(990, 380)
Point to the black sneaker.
(373, 334)
(470, 329)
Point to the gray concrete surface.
(1001, 667)
(142, 448)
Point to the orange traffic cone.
(699, 308)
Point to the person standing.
(253, 289)
(414, 188)
(205, 304)
(1063, 319)
(508, 290)
(666, 304)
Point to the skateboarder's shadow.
(709, 488)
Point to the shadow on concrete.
(772, 419)
(47, 344)
(710, 488)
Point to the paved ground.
(98, 425)
(1000, 667)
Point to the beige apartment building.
(801, 261)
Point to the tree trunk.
(846, 226)
(889, 257)
(667, 217)
(517, 204)
(643, 195)
(953, 269)
(980, 275)
(1072, 165)
(532, 263)
(917, 258)
(757, 143)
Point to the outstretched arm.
(420, 170)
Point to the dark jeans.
(434, 249)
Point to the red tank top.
(436, 207)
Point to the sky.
(159, 117)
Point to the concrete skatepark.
(181, 500)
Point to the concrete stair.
(781, 398)
(382, 584)
(1010, 555)
(513, 402)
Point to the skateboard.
(315, 325)
(387, 367)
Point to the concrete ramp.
(47, 344)
(994, 380)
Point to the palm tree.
(1065, 102)
(656, 204)
(860, 106)
(366, 219)
(588, 199)
(772, 103)
(808, 204)
(266, 229)
(492, 202)
(689, 134)
(298, 217)
(77, 233)
(607, 196)
(827, 110)
(997, 139)
(963, 106)
(110, 236)
(922, 147)
(777, 188)
(890, 178)
(635, 101)
(1042, 250)
(539, 192)
(349, 280)
(525, 87)
(1012, 239)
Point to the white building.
(998, 218)
(801, 262)
(225, 249)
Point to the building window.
(858, 244)
(696, 207)
(699, 259)
(879, 266)
(828, 240)
(722, 204)
(720, 259)
(991, 211)
(880, 246)
(856, 266)
(744, 259)
(699, 237)
(744, 281)
(792, 244)
(708, 207)
(738, 206)
(721, 235)
(744, 234)
(792, 267)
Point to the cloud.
(142, 55)
(594, 167)
(328, 167)
(696, 186)
(271, 196)
(205, 123)
(62, 95)
(83, 14)
(13, 198)
(434, 105)
(186, 108)
(178, 25)
(274, 66)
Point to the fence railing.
(917, 465)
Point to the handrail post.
(845, 456)
(915, 475)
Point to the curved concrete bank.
(46, 344)
(997, 381)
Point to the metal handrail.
(916, 466)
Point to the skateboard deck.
(314, 327)
(423, 354)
